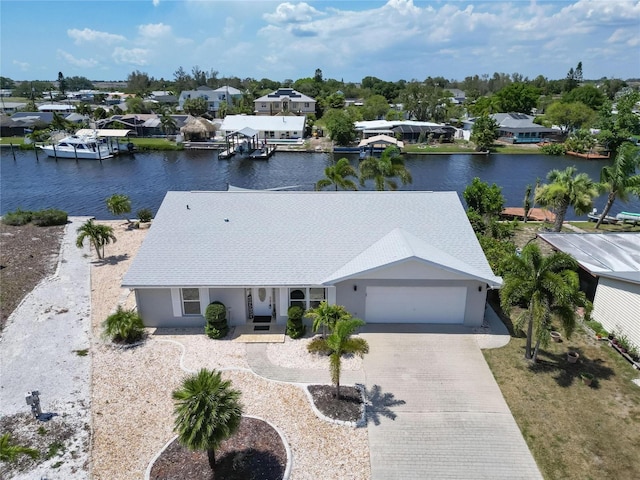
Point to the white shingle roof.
(233, 123)
(245, 238)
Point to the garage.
(415, 304)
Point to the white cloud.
(22, 65)
(76, 62)
(87, 35)
(133, 56)
(292, 13)
(154, 30)
(156, 3)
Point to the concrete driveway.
(454, 422)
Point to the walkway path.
(40, 346)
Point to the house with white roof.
(268, 128)
(214, 98)
(285, 100)
(609, 275)
(388, 257)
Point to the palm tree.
(325, 315)
(340, 343)
(547, 287)
(383, 170)
(168, 123)
(98, 235)
(9, 450)
(620, 178)
(337, 174)
(207, 411)
(119, 204)
(566, 188)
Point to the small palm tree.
(385, 169)
(337, 174)
(124, 326)
(207, 412)
(547, 287)
(567, 189)
(620, 180)
(119, 204)
(168, 123)
(98, 235)
(340, 343)
(326, 316)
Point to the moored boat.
(628, 217)
(594, 216)
(82, 147)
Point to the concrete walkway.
(435, 409)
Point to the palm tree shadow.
(112, 260)
(566, 374)
(379, 404)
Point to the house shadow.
(565, 373)
(380, 404)
(112, 260)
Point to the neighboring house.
(57, 108)
(11, 107)
(214, 98)
(515, 128)
(388, 257)
(409, 131)
(285, 100)
(458, 96)
(609, 275)
(268, 128)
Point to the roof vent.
(226, 220)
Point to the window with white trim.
(306, 298)
(190, 301)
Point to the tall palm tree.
(567, 188)
(620, 179)
(385, 169)
(547, 287)
(337, 174)
(98, 235)
(340, 343)
(119, 204)
(326, 316)
(207, 411)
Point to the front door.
(262, 302)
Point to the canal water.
(81, 187)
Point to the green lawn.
(574, 431)
(605, 227)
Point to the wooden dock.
(589, 156)
(535, 214)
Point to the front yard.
(574, 431)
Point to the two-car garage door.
(415, 304)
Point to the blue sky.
(397, 39)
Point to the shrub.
(145, 215)
(553, 149)
(17, 218)
(295, 327)
(216, 317)
(124, 326)
(45, 218)
(319, 345)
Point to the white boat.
(630, 217)
(82, 147)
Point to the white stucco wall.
(617, 307)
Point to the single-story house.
(284, 100)
(269, 128)
(610, 276)
(388, 257)
(515, 128)
(406, 130)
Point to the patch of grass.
(82, 353)
(605, 227)
(574, 431)
(42, 430)
(56, 448)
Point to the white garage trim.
(415, 304)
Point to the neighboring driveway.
(454, 422)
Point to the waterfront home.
(515, 128)
(285, 100)
(388, 257)
(409, 131)
(267, 128)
